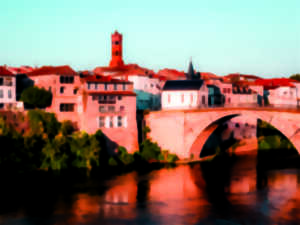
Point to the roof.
(5, 72)
(128, 93)
(171, 74)
(247, 76)
(275, 83)
(176, 85)
(103, 79)
(59, 70)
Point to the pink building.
(8, 89)
(92, 102)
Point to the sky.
(260, 37)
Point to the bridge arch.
(203, 131)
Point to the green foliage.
(295, 76)
(67, 128)
(172, 158)
(112, 162)
(149, 150)
(86, 150)
(146, 130)
(43, 123)
(36, 97)
(55, 154)
(124, 156)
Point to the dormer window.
(115, 87)
(124, 87)
(105, 86)
(66, 79)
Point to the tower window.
(116, 43)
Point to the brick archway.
(178, 130)
(198, 144)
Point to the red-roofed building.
(92, 102)
(281, 92)
(8, 90)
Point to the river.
(231, 192)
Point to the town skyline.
(221, 38)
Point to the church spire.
(191, 72)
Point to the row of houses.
(108, 98)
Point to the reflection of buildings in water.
(284, 195)
(176, 194)
(115, 203)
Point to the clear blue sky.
(259, 37)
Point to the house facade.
(184, 94)
(8, 90)
(92, 102)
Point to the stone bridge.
(185, 132)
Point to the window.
(96, 86)
(62, 89)
(115, 87)
(224, 90)
(9, 94)
(182, 98)
(89, 85)
(95, 97)
(49, 89)
(8, 81)
(228, 100)
(192, 98)
(105, 87)
(111, 122)
(102, 109)
(66, 107)
(101, 121)
(2, 106)
(66, 79)
(124, 87)
(229, 90)
(203, 100)
(75, 91)
(119, 97)
(119, 121)
(1, 81)
(111, 108)
(122, 108)
(116, 53)
(1, 93)
(116, 43)
(169, 98)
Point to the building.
(92, 102)
(184, 94)
(8, 90)
(280, 92)
(147, 85)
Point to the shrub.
(149, 150)
(112, 162)
(36, 97)
(172, 158)
(124, 156)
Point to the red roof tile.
(59, 70)
(5, 71)
(275, 83)
(103, 79)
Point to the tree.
(295, 76)
(34, 97)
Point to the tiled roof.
(128, 93)
(177, 85)
(103, 79)
(275, 83)
(59, 70)
(5, 71)
(171, 74)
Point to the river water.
(232, 192)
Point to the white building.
(184, 94)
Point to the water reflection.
(227, 191)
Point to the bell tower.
(116, 50)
